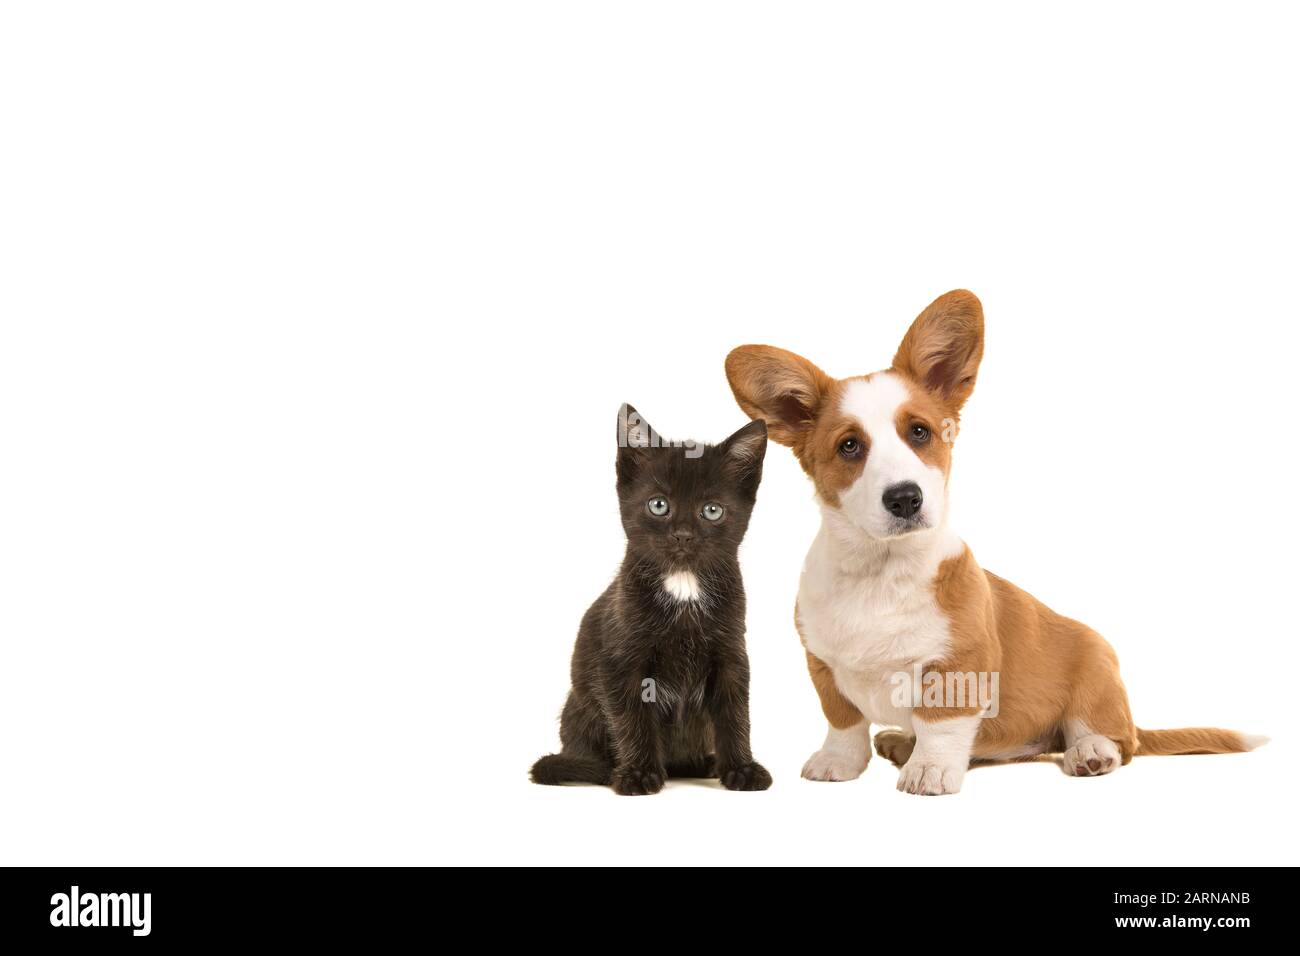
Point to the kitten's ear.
(633, 439)
(943, 348)
(745, 449)
(784, 389)
(633, 430)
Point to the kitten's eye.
(657, 506)
(919, 434)
(850, 448)
(712, 511)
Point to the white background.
(316, 318)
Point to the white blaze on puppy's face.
(874, 403)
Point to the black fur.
(693, 719)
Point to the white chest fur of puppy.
(871, 615)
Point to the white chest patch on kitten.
(683, 585)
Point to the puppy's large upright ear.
(943, 348)
(783, 389)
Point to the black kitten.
(660, 675)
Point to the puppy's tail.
(1196, 740)
(567, 768)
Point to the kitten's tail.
(567, 768)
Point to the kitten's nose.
(682, 537)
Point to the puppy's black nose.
(682, 537)
(903, 499)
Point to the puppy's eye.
(712, 511)
(657, 506)
(919, 434)
(850, 448)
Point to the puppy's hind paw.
(1091, 756)
(895, 746)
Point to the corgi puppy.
(901, 626)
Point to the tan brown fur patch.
(1051, 668)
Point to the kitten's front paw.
(636, 781)
(748, 776)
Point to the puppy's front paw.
(636, 781)
(1091, 756)
(929, 778)
(748, 776)
(829, 764)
